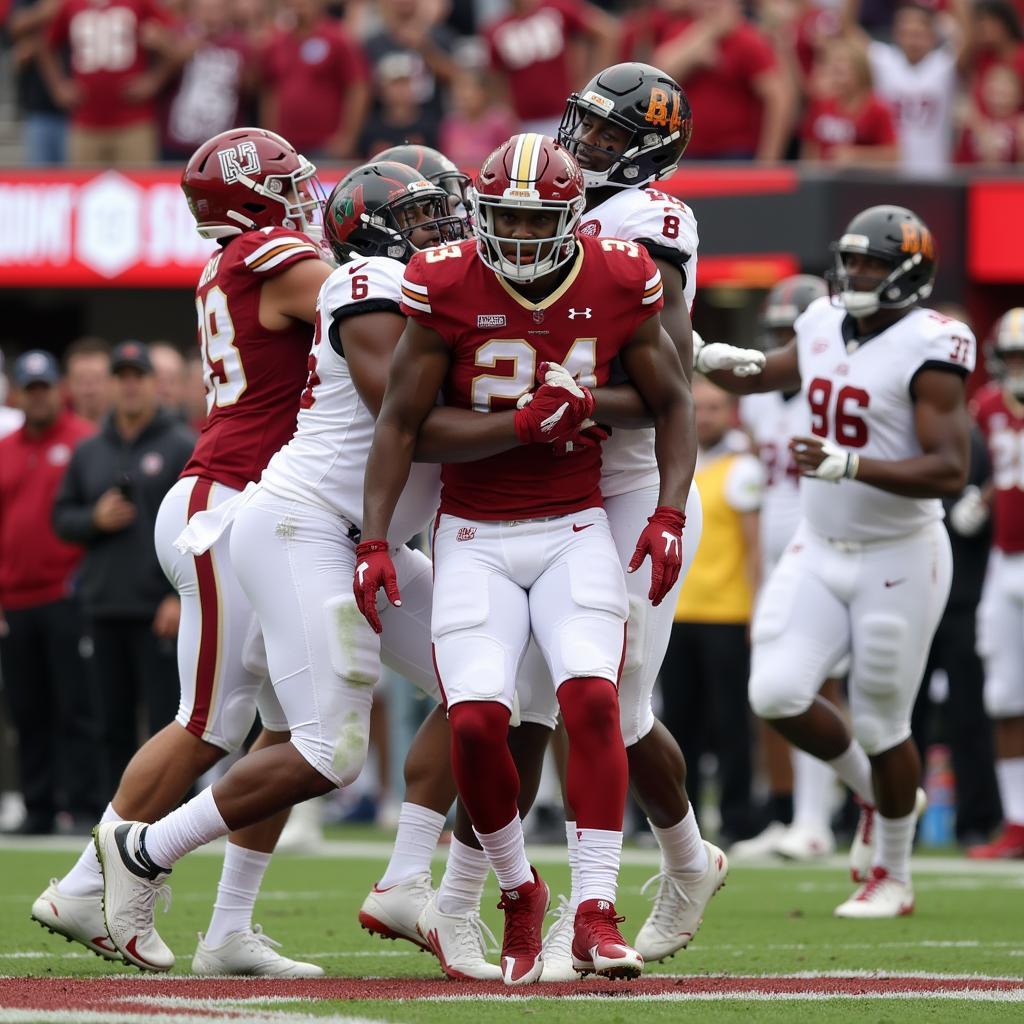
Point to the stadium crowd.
(844, 82)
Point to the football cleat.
(763, 846)
(1008, 845)
(598, 946)
(131, 887)
(881, 896)
(250, 953)
(805, 842)
(521, 947)
(77, 918)
(679, 906)
(392, 913)
(557, 950)
(862, 850)
(459, 941)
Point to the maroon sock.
(598, 773)
(484, 770)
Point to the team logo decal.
(466, 533)
(151, 463)
(591, 228)
(843, 369)
(538, 316)
(58, 455)
(819, 346)
(238, 160)
(491, 320)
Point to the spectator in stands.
(995, 38)
(993, 133)
(797, 29)
(704, 676)
(846, 124)
(399, 118)
(170, 372)
(10, 418)
(48, 687)
(218, 72)
(87, 377)
(108, 503)
(122, 54)
(475, 124)
(543, 49)
(413, 29)
(44, 125)
(742, 99)
(316, 91)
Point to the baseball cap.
(131, 355)
(36, 367)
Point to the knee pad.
(636, 630)
(878, 661)
(269, 707)
(339, 757)
(352, 645)
(591, 639)
(776, 691)
(1004, 697)
(876, 732)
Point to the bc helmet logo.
(238, 160)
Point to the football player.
(1001, 612)
(772, 418)
(521, 542)
(248, 189)
(436, 167)
(869, 569)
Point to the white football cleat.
(557, 948)
(459, 941)
(806, 842)
(679, 906)
(763, 846)
(862, 850)
(130, 892)
(392, 913)
(879, 897)
(77, 918)
(250, 953)
(304, 830)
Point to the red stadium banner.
(77, 228)
(995, 222)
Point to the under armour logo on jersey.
(671, 543)
(361, 571)
(573, 313)
(238, 160)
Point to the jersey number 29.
(222, 362)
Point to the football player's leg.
(1001, 645)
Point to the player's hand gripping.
(662, 539)
(823, 459)
(743, 362)
(374, 569)
(556, 410)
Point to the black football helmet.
(371, 212)
(900, 238)
(785, 302)
(1008, 340)
(649, 105)
(432, 165)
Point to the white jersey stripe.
(286, 254)
(410, 286)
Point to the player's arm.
(781, 373)
(943, 430)
(292, 294)
(447, 434)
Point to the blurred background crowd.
(842, 82)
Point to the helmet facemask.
(907, 282)
(388, 230)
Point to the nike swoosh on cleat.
(130, 949)
(104, 943)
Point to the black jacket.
(120, 576)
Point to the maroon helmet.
(250, 178)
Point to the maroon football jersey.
(499, 338)
(1002, 421)
(254, 376)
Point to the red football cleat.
(598, 946)
(1008, 845)
(525, 907)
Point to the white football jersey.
(325, 460)
(772, 420)
(861, 400)
(632, 214)
(921, 98)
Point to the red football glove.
(374, 569)
(662, 539)
(588, 435)
(554, 411)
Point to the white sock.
(894, 843)
(854, 769)
(506, 850)
(184, 830)
(682, 849)
(462, 885)
(600, 853)
(574, 863)
(85, 879)
(419, 829)
(813, 781)
(1010, 776)
(239, 885)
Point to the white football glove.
(743, 362)
(970, 513)
(837, 464)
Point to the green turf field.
(969, 920)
